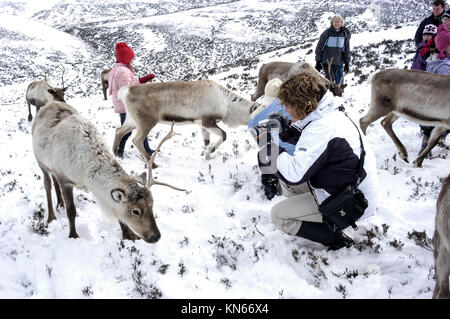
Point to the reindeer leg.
(211, 125)
(434, 138)
(104, 87)
(141, 133)
(48, 192)
(58, 192)
(442, 268)
(387, 125)
(67, 192)
(120, 133)
(378, 107)
(30, 116)
(206, 138)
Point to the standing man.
(435, 18)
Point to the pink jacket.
(120, 75)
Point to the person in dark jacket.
(419, 61)
(327, 155)
(435, 18)
(334, 44)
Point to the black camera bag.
(345, 207)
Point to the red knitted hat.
(124, 53)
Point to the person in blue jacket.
(334, 47)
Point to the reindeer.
(105, 84)
(418, 96)
(441, 241)
(41, 92)
(204, 102)
(286, 70)
(70, 151)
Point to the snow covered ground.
(217, 238)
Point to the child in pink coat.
(123, 75)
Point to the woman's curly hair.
(302, 94)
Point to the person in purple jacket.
(419, 63)
(439, 64)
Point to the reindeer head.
(57, 93)
(136, 209)
(336, 89)
(137, 201)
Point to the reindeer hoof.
(50, 219)
(417, 164)
(74, 235)
(208, 156)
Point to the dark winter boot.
(318, 232)
(270, 185)
(341, 241)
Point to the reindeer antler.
(62, 75)
(330, 62)
(151, 181)
(46, 82)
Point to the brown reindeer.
(418, 96)
(204, 102)
(441, 241)
(41, 92)
(71, 152)
(104, 77)
(286, 70)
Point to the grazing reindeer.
(105, 84)
(41, 92)
(418, 96)
(441, 241)
(70, 151)
(204, 102)
(286, 70)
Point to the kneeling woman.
(326, 155)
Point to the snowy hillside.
(217, 238)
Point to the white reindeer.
(41, 92)
(441, 241)
(418, 96)
(204, 102)
(70, 150)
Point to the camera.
(265, 126)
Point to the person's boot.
(318, 232)
(270, 185)
(441, 142)
(341, 241)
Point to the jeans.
(125, 138)
(334, 72)
(339, 74)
